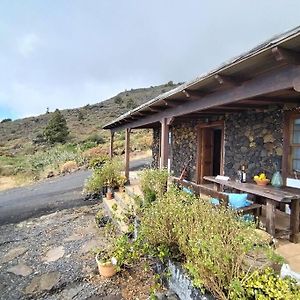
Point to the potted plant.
(107, 265)
(121, 182)
(111, 172)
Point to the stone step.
(133, 190)
(116, 212)
(124, 200)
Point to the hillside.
(84, 122)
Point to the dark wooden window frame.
(289, 118)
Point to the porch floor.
(289, 251)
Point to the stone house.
(246, 112)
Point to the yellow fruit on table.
(262, 176)
(256, 177)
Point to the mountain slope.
(83, 122)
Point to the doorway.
(210, 150)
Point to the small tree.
(56, 130)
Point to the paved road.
(48, 196)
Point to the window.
(291, 156)
(295, 144)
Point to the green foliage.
(95, 182)
(96, 139)
(118, 100)
(6, 120)
(98, 162)
(130, 104)
(111, 171)
(153, 183)
(264, 284)
(80, 115)
(211, 242)
(106, 173)
(56, 130)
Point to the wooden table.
(272, 195)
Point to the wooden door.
(206, 152)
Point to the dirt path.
(50, 258)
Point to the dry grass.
(7, 183)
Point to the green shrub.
(264, 284)
(153, 183)
(95, 182)
(96, 139)
(98, 162)
(56, 130)
(6, 120)
(107, 174)
(211, 242)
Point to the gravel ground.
(50, 258)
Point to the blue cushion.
(187, 190)
(237, 201)
(248, 218)
(214, 201)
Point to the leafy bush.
(264, 284)
(95, 182)
(98, 162)
(211, 242)
(153, 183)
(96, 138)
(6, 120)
(56, 130)
(107, 174)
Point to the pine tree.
(56, 130)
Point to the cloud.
(27, 44)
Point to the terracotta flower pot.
(109, 194)
(107, 269)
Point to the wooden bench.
(209, 190)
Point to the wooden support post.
(127, 151)
(164, 142)
(111, 145)
(270, 216)
(294, 221)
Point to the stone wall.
(254, 139)
(251, 138)
(155, 148)
(184, 149)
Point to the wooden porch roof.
(268, 74)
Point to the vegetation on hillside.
(31, 148)
(56, 130)
(84, 123)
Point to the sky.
(65, 54)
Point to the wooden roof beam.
(227, 80)
(276, 80)
(286, 55)
(191, 94)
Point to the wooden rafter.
(266, 83)
(226, 80)
(286, 55)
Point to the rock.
(41, 283)
(268, 138)
(160, 296)
(86, 247)
(279, 151)
(172, 296)
(20, 269)
(73, 237)
(13, 253)
(50, 174)
(54, 254)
